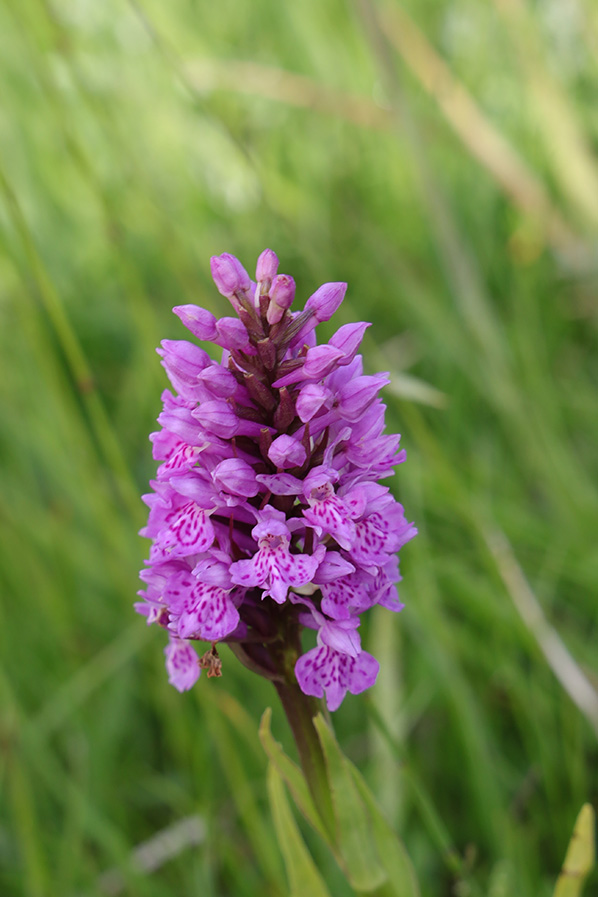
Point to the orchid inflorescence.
(266, 514)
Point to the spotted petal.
(190, 532)
(332, 516)
(346, 594)
(182, 664)
(326, 671)
(212, 616)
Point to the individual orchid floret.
(358, 394)
(318, 363)
(273, 568)
(218, 417)
(176, 454)
(340, 635)
(182, 664)
(199, 609)
(380, 534)
(332, 567)
(188, 531)
(229, 333)
(266, 515)
(348, 595)
(327, 512)
(232, 334)
(324, 671)
(184, 362)
(318, 308)
(348, 339)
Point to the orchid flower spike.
(267, 516)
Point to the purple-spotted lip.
(273, 541)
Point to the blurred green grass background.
(439, 156)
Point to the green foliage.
(292, 775)
(304, 877)
(372, 857)
(138, 138)
(581, 855)
(354, 841)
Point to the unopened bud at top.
(282, 293)
(326, 300)
(199, 321)
(267, 266)
(229, 274)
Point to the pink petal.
(332, 516)
(191, 531)
(363, 673)
(250, 572)
(182, 665)
(215, 613)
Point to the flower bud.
(232, 334)
(237, 477)
(267, 266)
(183, 362)
(310, 400)
(229, 274)
(282, 293)
(217, 417)
(286, 451)
(348, 339)
(358, 393)
(326, 300)
(219, 383)
(319, 362)
(199, 321)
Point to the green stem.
(301, 710)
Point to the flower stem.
(301, 710)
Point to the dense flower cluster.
(266, 514)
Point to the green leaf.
(356, 843)
(292, 775)
(304, 878)
(254, 819)
(580, 857)
(392, 853)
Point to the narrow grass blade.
(286, 87)
(568, 148)
(255, 824)
(355, 839)
(74, 354)
(561, 662)
(391, 851)
(304, 878)
(580, 857)
(479, 135)
(35, 879)
(291, 774)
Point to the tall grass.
(137, 139)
